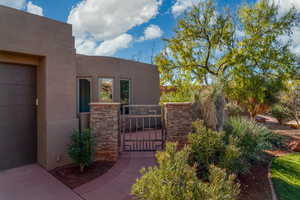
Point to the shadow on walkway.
(116, 183)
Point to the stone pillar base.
(178, 122)
(104, 123)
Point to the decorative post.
(178, 122)
(104, 123)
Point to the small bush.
(237, 149)
(277, 141)
(280, 113)
(81, 148)
(250, 138)
(206, 146)
(175, 179)
(233, 110)
(209, 148)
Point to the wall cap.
(178, 103)
(103, 104)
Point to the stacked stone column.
(104, 123)
(178, 122)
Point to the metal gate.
(142, 128)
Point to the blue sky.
(129, 29)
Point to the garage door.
(18, 138)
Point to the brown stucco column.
(104, 123)
(178, 122)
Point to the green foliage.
(255, 94)
(255, 65)
(290, 100)
(277, 141)
(202, 38)
(286, 176)
(262, 63)
(237, 149)
(250, 138)
(233, 109)
(175, 179)
(206, 145)
(209, 148)
(81, 148)
(180, 95)
(280, 112)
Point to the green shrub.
(250, 138)
(237, 149)
(81, 148)
(277, 141)
(230, 158)
(206, 146)
(280, 113)
(233, 110)
(175, 179)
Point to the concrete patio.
(32, 182)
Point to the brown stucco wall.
(144, 77)
(53, 44)
(49, 45)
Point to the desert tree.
(262, 59)
(197, 54)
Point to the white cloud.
(284, 7)
(106, 48)
(18, 4)
(110, 47)
(105, 19)
(151, 32)
(86, 46)
(181, 5)
(34, 9)
(296, 41)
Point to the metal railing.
(142, 128)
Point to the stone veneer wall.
(104, 124)
(178, 122)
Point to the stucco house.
(45, 88)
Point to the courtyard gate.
(142, 128)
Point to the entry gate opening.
(142, 128)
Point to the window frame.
(78, 90)
(130, 89)
(100, 88)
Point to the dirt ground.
(284, 130)
(71, 176)
(255, 186)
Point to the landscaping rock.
(260, 119)
(294, 145)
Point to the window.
(84, 94)
(106, 89)
(125, 91)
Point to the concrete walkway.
(116, 183)
(32, 182)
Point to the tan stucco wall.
(49, 45)
(144, 77)
(52, 42)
